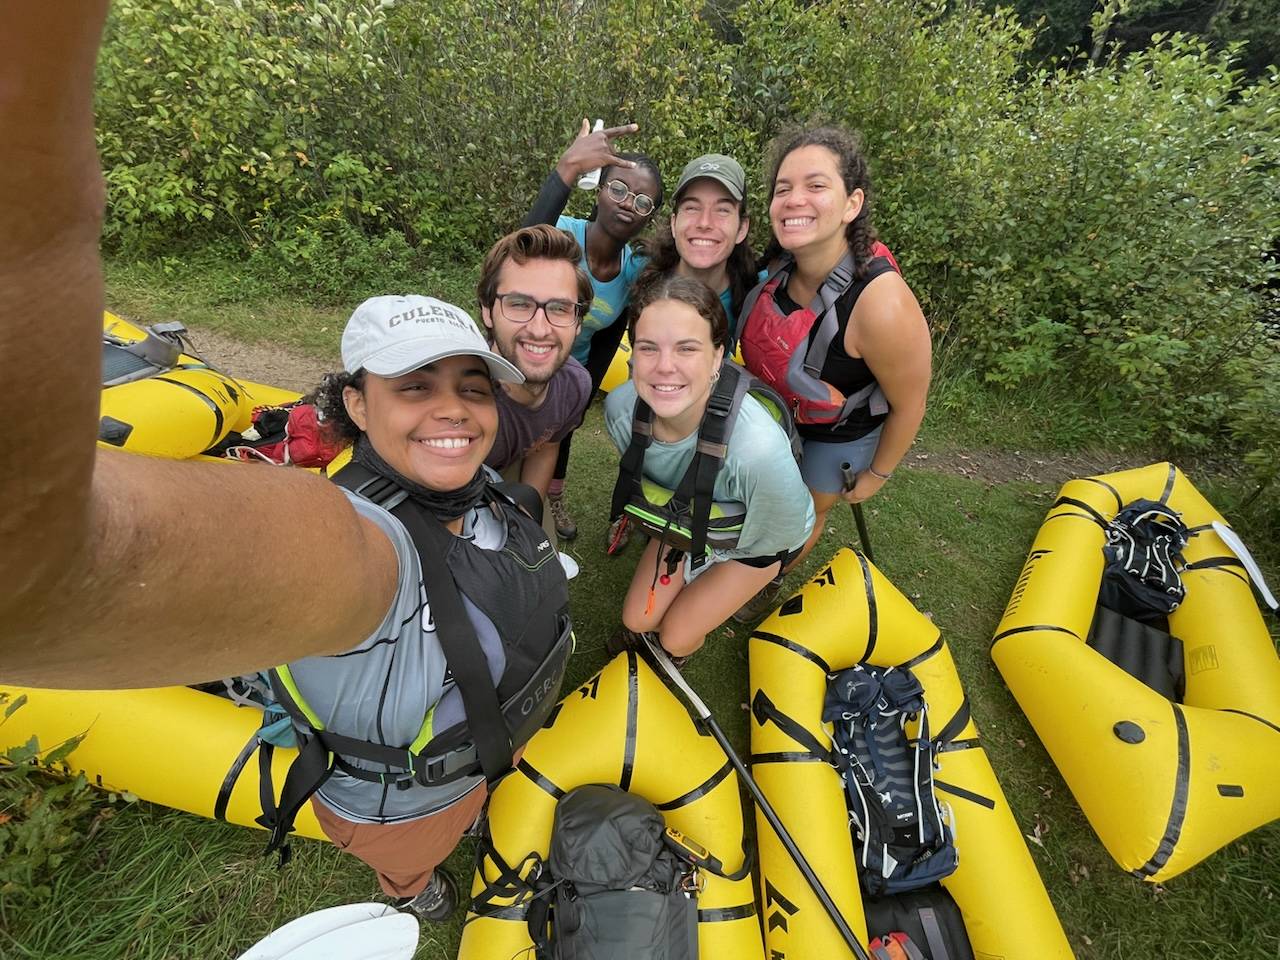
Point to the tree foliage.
(1105, 225)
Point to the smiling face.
(434, 425)
(537, 348)
(810, 207)
(620, 220)
(707, 224)
(673, 360)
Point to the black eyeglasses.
(520, 308)
(642, 203)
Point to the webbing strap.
(462, 650)
(933, 934)
(713, 442)
(764, 711)
(953, 726)
(306, 775)
(632, 464)
(833, 288)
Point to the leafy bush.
(42, 818)
(1103, 226)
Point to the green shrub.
(42, 817)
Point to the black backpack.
(902, 841)
(617, 883)
(1142, 578)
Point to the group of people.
(439, 409)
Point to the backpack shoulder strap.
(833, 288)
(457, 636)
(631, 467)
(712, 447)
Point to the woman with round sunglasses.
(631, 190)
(820, 211)
(678, 334)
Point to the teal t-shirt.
(758, 471)
(609, 297)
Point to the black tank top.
(847, 374)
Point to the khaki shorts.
(404, 855)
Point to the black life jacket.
(686, 518)
(521, 588)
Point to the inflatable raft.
(158, 400)
(131, 744)
(1165, 780)
(623, 726)
(847, 614)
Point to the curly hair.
(688, 291)
(539, 242)
(852, 165)
(327, 398)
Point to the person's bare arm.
(539, 467)
(890, 333)
(120, 570)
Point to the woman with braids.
(835, 284)
(630, 192)
(678, 334)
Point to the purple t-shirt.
(521, 431)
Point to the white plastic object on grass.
(1236, 546)
(570, 566)
(355, 931)
(591, 179)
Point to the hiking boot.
(762, 604)
(618, 537)
(436, 902)
(566, 529)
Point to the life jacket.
(291, 434)
(687, 519)
(521, 588)
(776, 346)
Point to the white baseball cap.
(391, 336)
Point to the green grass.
(152, 883)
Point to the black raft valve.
(1129, 732)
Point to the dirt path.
(295, 370)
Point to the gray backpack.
(617, 883)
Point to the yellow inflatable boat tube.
(168, 745)
(1164, 784)
(175, 409)
(622, 727)
(847, 614)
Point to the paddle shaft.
(762, 802)
(850, 478)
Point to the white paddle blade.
(383, 933)
(1236, 546)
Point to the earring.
(715, 377)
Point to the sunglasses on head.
(619, 193)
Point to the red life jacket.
(776, 347)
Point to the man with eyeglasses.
(532, 295)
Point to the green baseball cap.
(717, 167)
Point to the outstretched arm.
(589, 151)
(120, 570)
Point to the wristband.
(877, 474)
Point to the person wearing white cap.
(417, 399)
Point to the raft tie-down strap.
(873, 616)
(796, 648)
(1252, 716)
(539, 780)
(1112, 490)
(1033, 627)
(933, 934)
(510, 883)
(1219, 563)
(1092, 514)
(964, 794)
(922, 657)
(721, 914)
(764, 711)
(633, 722)
(698, 792)
(951, 729)
(1168, 484)
(1178, 813)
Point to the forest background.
(1087, 209)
